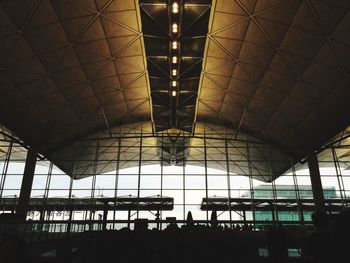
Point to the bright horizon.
(150, 185)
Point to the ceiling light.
(174, 28)
(174, 59)
(175, 8)
(174, 45)
(173, 83)
(173, 93)
(174, 72)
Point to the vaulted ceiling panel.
(286, 58)
(65, 58)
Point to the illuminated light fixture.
(174, 72)
(174, 28)
(175, 8)
(173, 93)
(174, 59)
(173, 83)
(174, 45)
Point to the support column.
(69, 226)
(139, 174)
(228, 180)
(5, 167)
(42, 215)
(105, 216)
(129, 218)
(316, 183)
(297, 194)
(206, 171)
(27, 181)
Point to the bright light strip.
(174, 59)
(174, 72)
(173, 83)
(175, 8)
(174, 28)
(173, 93)
(174, 45)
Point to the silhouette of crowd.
(191, 241)
(327, 243)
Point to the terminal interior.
(174, 130)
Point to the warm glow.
(174, 60)
(173, 93)
(175, 8)
(174, 72)
(174, 28)
(174, 45)
(173, 83)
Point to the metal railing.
(48, 230)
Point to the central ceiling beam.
(174, 34)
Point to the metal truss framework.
(104, 156)
(174, 59)
(210, 145)
(64, 62)
(270, 69)
(278, 70)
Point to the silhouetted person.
(238, 227)
(277, 245)
(189, 221)
(245, 227)
(214, 219)
(172, 225)
(341, 235)
(318, 246)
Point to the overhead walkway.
(264, 204)
(129, 203)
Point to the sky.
(173, 182)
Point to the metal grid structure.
(277, 71)
(174, 41)
(258, 86)
(118, 166)
(68, 61)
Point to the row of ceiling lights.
(174, 47)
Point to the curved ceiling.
(69, 68)
(100, 153)
(277, 70)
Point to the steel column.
(316, 183)
(27, 182)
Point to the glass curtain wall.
(216, 166)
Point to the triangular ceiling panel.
(284, 63)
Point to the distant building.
(287, 191)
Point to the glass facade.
(214, 165)
(288, 192)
